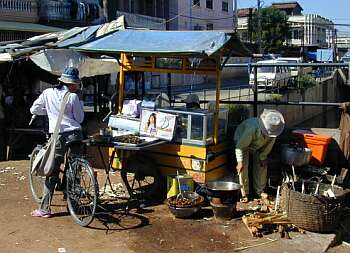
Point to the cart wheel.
(141, 178)
(36, 182)
(82, 192)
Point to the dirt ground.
(156, 230)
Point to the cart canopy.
(186, 43)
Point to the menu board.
(157, 124)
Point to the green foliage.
(306, 81)
(275, 97)
(237, 113)
(274, 29)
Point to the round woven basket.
(312, 212)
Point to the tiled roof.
(244, 12)
(286, 5)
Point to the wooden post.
(255, 91)
(217, 102)
(121, 82)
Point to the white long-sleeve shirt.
(49, 103)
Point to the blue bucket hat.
(70, 76)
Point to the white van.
(296, 71)
(271, 76)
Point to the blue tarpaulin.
(346, 57)
(165, 42)
(324, 55)
(311, 55)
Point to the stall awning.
(165, 42)
(27, 27)
(55, 61)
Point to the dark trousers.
(2, 140)
(52, 180)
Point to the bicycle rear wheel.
(142, 178)
(36, 182)
(82, 191)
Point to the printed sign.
(157, 124)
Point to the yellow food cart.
(199, 147)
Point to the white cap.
(271, 122)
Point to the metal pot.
(223, 186)
(297, 156)
(183, 212)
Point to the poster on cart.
(157, 124)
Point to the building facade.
(19, 20)
(311, 31)
(70, 13)
(150, 14)
(244, 29)
(201, 15)
(343, 42)
(307, 30)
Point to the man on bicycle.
(49, 103)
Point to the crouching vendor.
(256, 136)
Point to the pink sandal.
(40, 214)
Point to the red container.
(317, 143)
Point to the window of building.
(209, 4)
(210, 26)
(197, 27)
(197, 2)
(297, 34)
(225, 6)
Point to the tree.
(274, 28)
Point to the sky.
(336, 10)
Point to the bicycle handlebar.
(32, 119)
(104, 120)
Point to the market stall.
(196, 138)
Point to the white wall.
(224, 20)
(318, 31)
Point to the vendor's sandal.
(40, 214)
(264, 195)
(244, 200)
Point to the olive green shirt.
(248, 136)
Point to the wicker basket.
(311, 212)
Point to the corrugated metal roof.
(163, 42)
(27, 27)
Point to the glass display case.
(197, 126)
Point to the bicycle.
(81, 187)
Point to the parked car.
(271, 76)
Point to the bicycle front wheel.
(82, 191)
(36, 182)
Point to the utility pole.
(259, 28)
(235, 19)
(335, 48)
(105, 9)
(190, 15)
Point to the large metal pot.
(223, 186)
(227, 191)
(297, 156)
